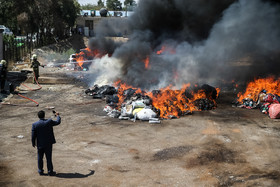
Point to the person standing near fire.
(35, 65)
(3, 75)
(43, 137)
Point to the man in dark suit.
(42, 133)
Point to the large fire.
(121, 88)
(168, 101)
(270, 84)
(86, 55)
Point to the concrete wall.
(89, 24)
(88, 21)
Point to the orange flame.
(147, 62)
(218, 92)
(270, 84)
(162, 50)
(170, 102)
(80, 61)
(166, 49)
(88, 54)
(121, 88)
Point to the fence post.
(1, 45)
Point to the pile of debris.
(103, 91)
(128, 103)
(262, 94)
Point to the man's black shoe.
(53, 173)
(41, 173)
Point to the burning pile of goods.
(127, 102)
(186, 45)
(262, 93)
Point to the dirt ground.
(223, 147)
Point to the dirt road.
(223, 147)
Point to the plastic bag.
(274, 111)
(146, 114)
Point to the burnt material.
(100, 92)
(204, 104)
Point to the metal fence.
(16, 48)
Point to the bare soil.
(222, 147)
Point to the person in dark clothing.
(43, 138)
(3, 75)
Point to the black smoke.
(215, 41)
(185, 20)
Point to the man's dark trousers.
(48, 153)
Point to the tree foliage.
(49, 17)
(130, 5)
(88, 6)
(115, 5)
(129, 2)
(7, 14)
(100, 3)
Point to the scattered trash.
(145, 114)
(274, 111)
(205, 104)
(136, 111)
(126, 111)
(114, 113)
(107, 109)
(20, 136)
(124, 118)
(172, 117)
(112, 98)
(263, 94)
(101, 92)
(247, 103)
(131, 103)
(50, 107)
(264, 107)
(154, 120)
(92, 162)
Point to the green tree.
(8, 16)
(49, 17)
(130, 4)
(63, 16)
(115, 5)
(88, 7)
(100, 3)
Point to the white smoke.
(105, 71)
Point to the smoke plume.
(204, 41)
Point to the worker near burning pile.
(35, 65)
(43, 138)
(3, 75)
